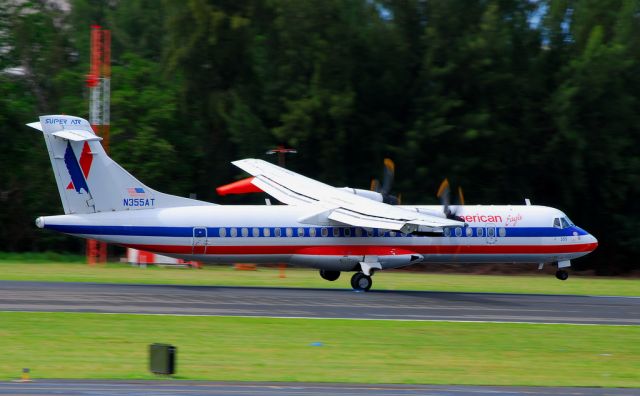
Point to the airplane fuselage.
(273, 234)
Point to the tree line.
(510, 99)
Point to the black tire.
(562, 275)
(360, 281)
(329, 275)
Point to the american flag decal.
(136, 192)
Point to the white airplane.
(332, 229)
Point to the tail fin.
(88, 180)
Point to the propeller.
(444, 193)
(387, 181)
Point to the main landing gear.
(361, 282)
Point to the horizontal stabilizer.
(77, 135)
(35, 125)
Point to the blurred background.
(509, 99)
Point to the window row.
(490, 232)
(233, 232)
(303, 232)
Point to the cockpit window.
(562, 222)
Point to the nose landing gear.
(562, 275)
(329, 275)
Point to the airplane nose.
(593, 241)
(40, 222)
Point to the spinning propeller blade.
(384, 188)
(444, 193)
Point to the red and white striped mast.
(99, 84)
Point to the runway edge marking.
(328, 318)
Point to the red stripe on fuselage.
(361, 250)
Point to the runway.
(148, 388)
(317, 303)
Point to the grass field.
(73, 345)
(78, 345)
(72, 269)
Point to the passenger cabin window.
(300, 232)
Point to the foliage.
(509, 98)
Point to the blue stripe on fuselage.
(214, 232)
(543, 231)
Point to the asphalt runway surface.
(118, 388)
(316, 303)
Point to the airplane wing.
(330, 204)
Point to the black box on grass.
(162, 359)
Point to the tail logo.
(78, 170)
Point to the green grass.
(46, 257)
(44, 268)
(74, 345)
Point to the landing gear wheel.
(360, 281)
(329, 275)
(562, 275)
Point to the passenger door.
(199, 240)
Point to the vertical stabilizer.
(88, 180)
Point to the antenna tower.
(99, 84)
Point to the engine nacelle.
(349, 258)
(376, 196)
